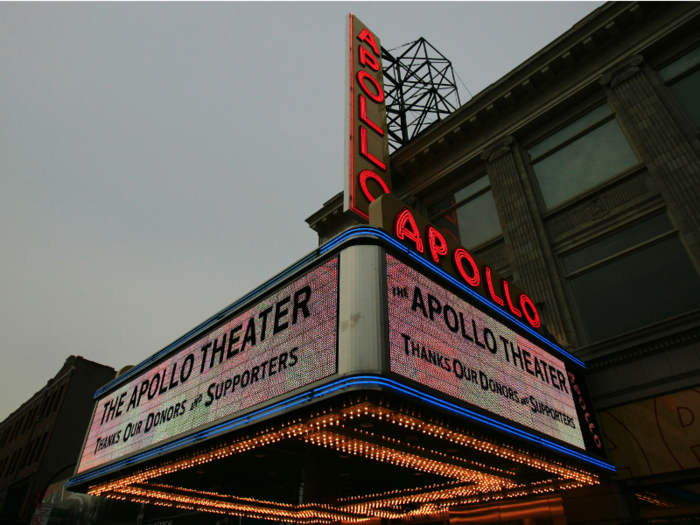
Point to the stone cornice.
(498, 149)
(681, 330)
(580, 45)
(329, 214)
(623, 71)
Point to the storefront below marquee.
(402, 395)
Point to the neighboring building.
(40, 441)
(577, 175)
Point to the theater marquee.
(283, 343)
(441, 341)
(363, 357)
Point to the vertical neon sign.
(368, 172)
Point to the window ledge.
(680, 330)
(600, 188)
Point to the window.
(32, 450)
(17, 425)
(683, 79)
(42, 409)
(469, 215)
(59, 391)
(40, 447)
(10, 470)
(28, 421)
(586, 152)
(633, 278)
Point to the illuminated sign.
(368, 171)
(445, 343)
(417, 233)
(284, 342)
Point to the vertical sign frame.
(368, 171)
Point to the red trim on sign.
(365, 152)
(363, 116)
(461, 254)
(352, 119)
(369, 174)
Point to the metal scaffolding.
(419, 87)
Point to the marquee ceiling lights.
(471, 469)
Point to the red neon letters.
(496, 299)
(533, 317)
(369, 174)
(437, 243)
(406, 228)
(366, 36)
(367, 59)
(363, 116)
(510, 303)
(587, 415)
(364, 151)
(460, 256)
(368, 155)
(362, 76)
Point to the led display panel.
(285, 342)
(445, 343)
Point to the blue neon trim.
(365, 230)
(326, 390)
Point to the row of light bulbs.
(488, 483)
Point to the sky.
(157, 160)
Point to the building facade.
(41, 440)
(577, 176)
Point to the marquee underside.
(358, 455)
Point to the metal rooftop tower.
(420, 88)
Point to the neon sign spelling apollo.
(283, 343)
(367, 141)
(369, 176)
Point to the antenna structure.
(419, 88)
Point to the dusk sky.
(157, 160)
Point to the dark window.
(633, 278)
(683, 78)
(43, 407)
(49, 403)
(28, 451)
(584, 153)
(15, 428)
(28, 421)
(32, 451)
(57, 399)
(39, 448)
(20, 456)
(468, 215)
(14, 501)
(8, 434)
(12, 463)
